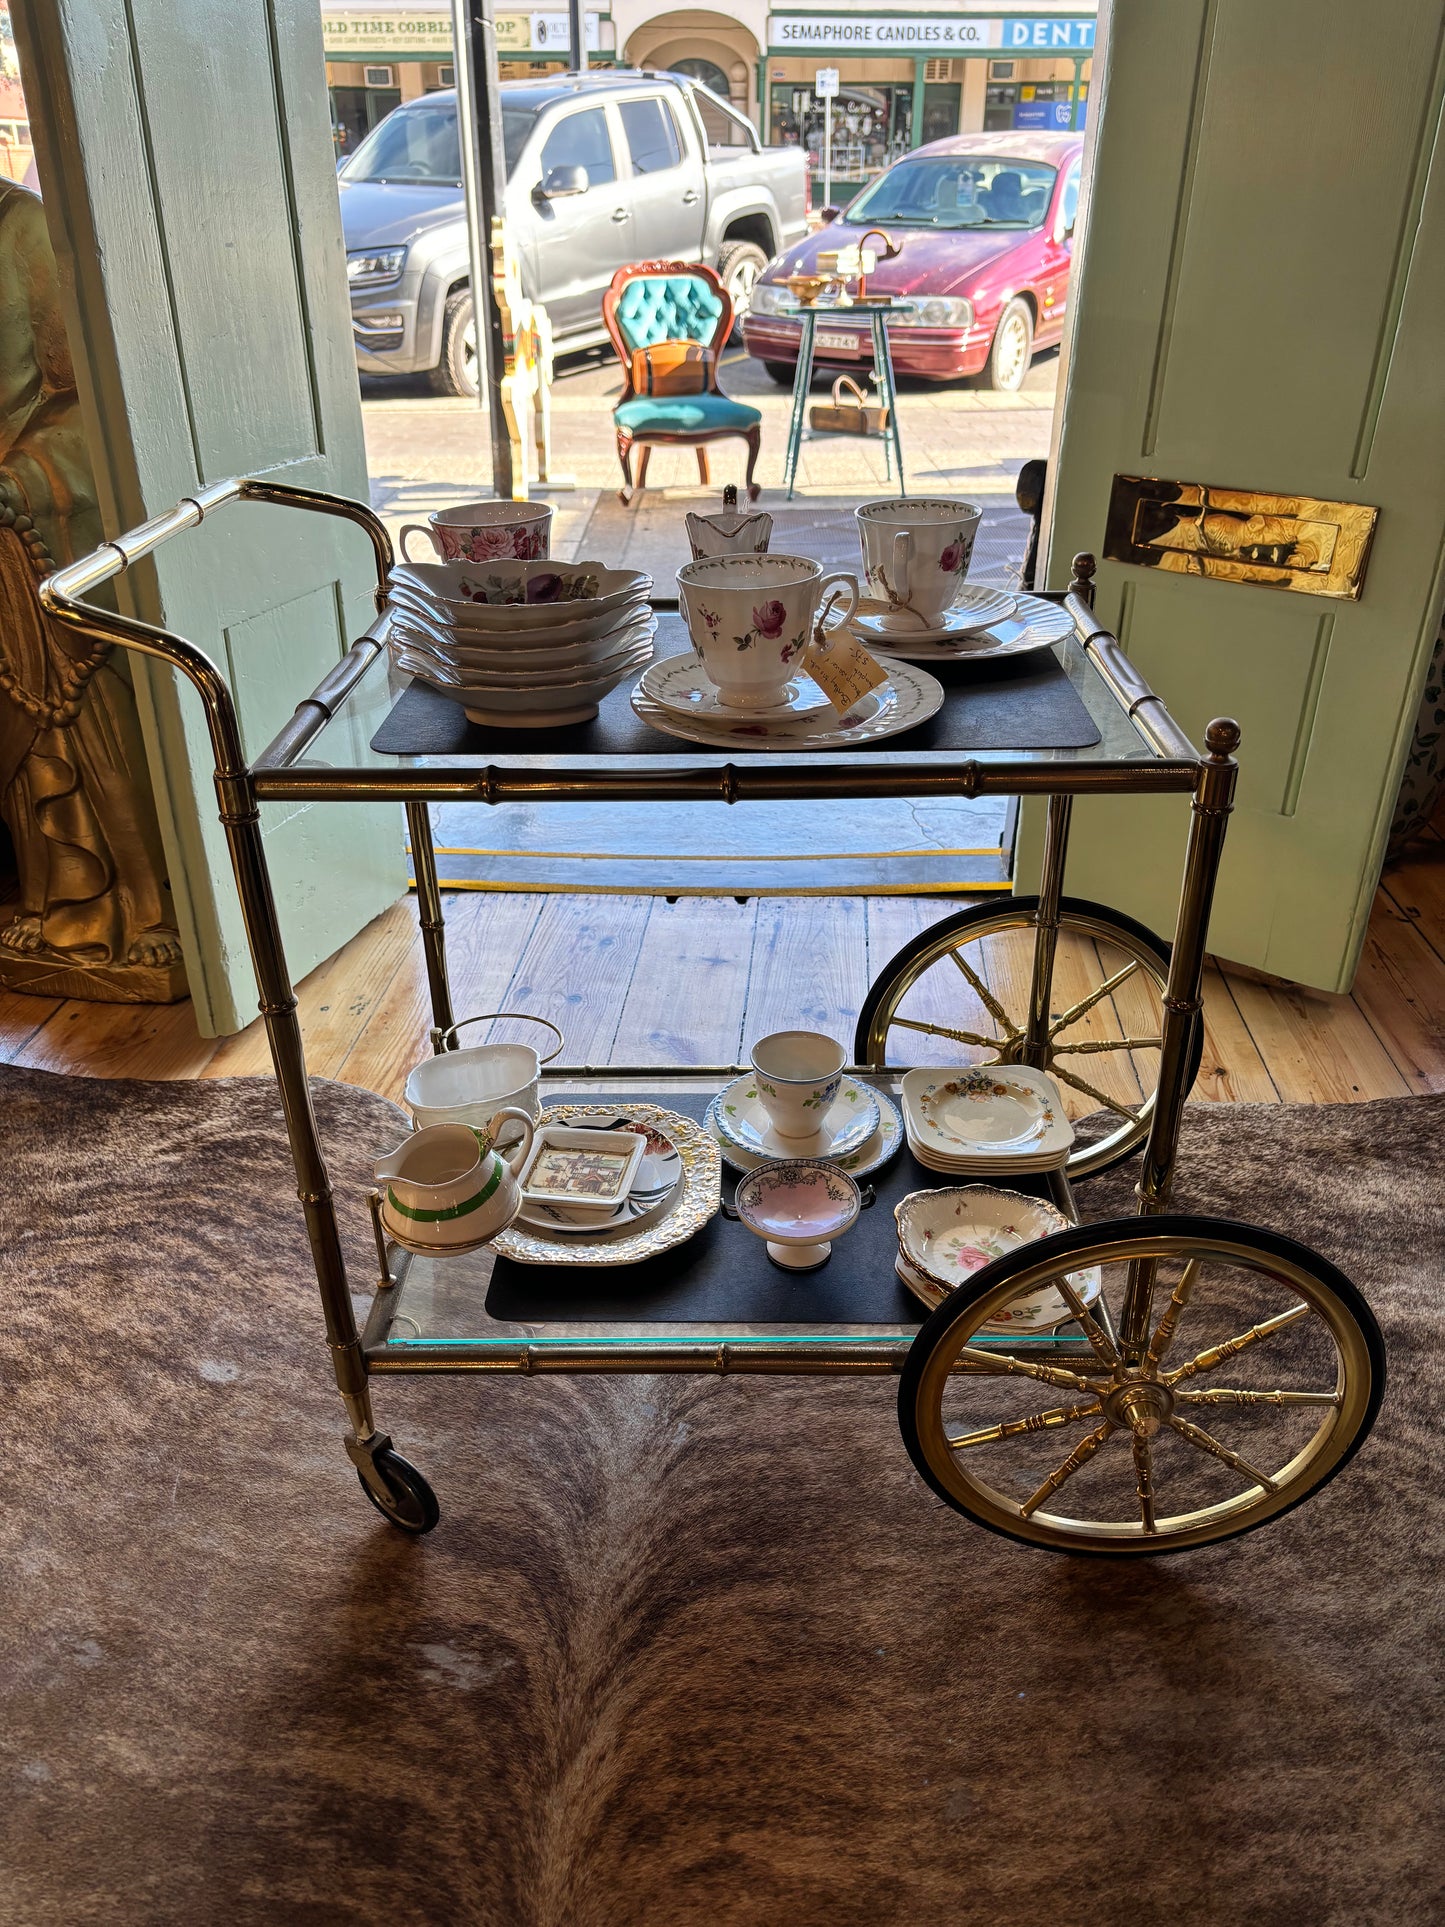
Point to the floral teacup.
(798, 1073)
(751, 617)
(916, 552)
(486, 532)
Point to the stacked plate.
(524, 645)
(987, 1120)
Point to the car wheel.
(1012, 352)
(782, 372)
(457, 373)
(738, 267)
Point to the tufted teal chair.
(653, 302)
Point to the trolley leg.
(433, 924)
(1046, 930)
(1183, 1005)
(242, 823)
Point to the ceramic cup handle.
(508, 1116)
(848, 582)
(902, 554)
(416, 528)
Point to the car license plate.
(831, 338)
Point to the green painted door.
(186, 163)
(1259, 308)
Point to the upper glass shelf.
(328, 751)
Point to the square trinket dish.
(589, 1172)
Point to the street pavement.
(426, 451)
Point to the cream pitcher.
(447, 1189)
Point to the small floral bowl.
(798, 1206)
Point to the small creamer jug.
(447, 1190)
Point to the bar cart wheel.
(395, 1487)
(1126, 967)
(1306, 1373)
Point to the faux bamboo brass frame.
(1172, 766)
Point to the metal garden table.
(883, 373)
(1183, 1298)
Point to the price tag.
(842, 667)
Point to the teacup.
(798, 1074)
(485, 532)
(916, 552)
(751, 617)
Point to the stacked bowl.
(521, 645)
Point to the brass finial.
(1082, 582)
(1222, 736)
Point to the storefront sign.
(1048, 36)
(349, 34)
(927, 33)
(882, 33)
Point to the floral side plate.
(976, 608)
(742, 1122)
(871, 1155)
(986, 1107)
(1034, 625)
(908, 698)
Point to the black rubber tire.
(450, 376)
(950, 927)
(935, 1329)
(732, 256)
(414, 1505)
(784, 373)
(1009, 379)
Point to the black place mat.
(1022, 702)
(723, 1275)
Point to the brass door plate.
(1240, 535)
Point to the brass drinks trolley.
(1202, 1324)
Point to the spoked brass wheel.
(958, 993)
(1261, 1377)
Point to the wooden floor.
(639, 980)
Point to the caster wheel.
(411, 1504)
(1256, 1377)
(958, 993)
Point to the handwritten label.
(842, 667)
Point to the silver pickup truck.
(602, 169)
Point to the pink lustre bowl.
(798, 1206)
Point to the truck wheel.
(738, 267)
(456, 373)
(1012, 353)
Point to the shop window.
(356, 110)
(581, 140)
(652, 139)
(872, 126)
(940, 109)
(446, 76)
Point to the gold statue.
(94, 918)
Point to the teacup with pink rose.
(485, 532)
(916, 552)
(751, 618)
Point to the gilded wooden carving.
(93, 919)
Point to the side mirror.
(829, 214)
(559, 183)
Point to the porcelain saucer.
(870, 1156)
(975, 609)
(742, 1122)
(682, 684)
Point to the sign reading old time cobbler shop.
(928, 33)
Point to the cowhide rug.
(681, 1651)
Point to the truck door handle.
(690, 196)
(620, 214)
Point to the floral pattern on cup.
(750, 618)
(486, 532)
(491, 545)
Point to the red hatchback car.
(986, 223)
